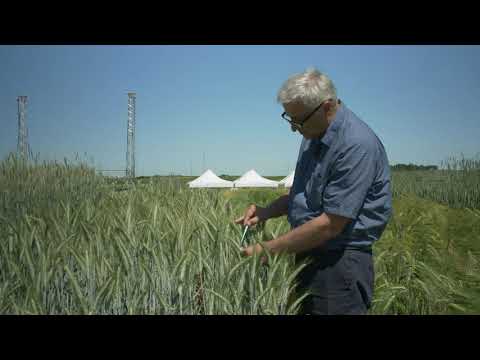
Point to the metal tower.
(22, 144)
(130, 171)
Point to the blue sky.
(221, 101)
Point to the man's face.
(314, 126)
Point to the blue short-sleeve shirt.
(346, 173)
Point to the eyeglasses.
(298, 126)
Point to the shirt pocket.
(315, 187)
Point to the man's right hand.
(253, 215)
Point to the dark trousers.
(340, 282)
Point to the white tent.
(209, 180)
(287, 181)
(252, 179)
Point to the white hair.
(311, 88)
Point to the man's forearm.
(312, 234)
(277, 208)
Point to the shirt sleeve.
(352, 175)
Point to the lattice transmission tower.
(22, 144)
(130, 171)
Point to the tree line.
(413, 167)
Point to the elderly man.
(340, 200)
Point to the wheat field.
(73, 242)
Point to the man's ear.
(329, 106)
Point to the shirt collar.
(335, 125)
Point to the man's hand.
(253, 249)
(253, 215)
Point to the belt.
(324, 251)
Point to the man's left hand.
(252, 249)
